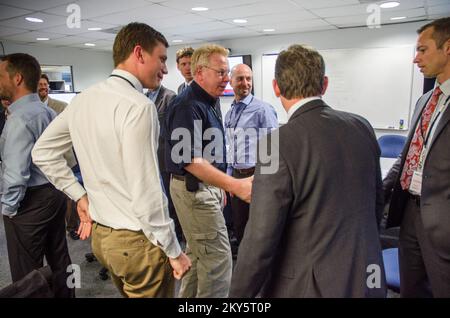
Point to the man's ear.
(276, 89)
(325, 85)
(138, 53)
(18, 79)
(446, 47)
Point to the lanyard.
(240, 114)
(115, 75)
(424, 151)
(430, 128)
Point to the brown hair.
(44, 76)
(441, 31)
(135, 34)
(184, 52)
(27, 66)
(300, 72)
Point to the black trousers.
(172, 213)
(422, 272)
(240, 209)
(36, 231)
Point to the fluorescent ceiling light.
(389, 5)
(199, 9)
(89, 44)
(398, 18)
(94, 29)
(35, 20)
(177, 41)
(240, 21)
(42, 39)
(269, 30)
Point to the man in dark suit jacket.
(312, 230)
(162, 97)
(420, 202)
(183, 57)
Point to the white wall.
(89, 67)
(386, 36)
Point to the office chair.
(391, 267)
(391, 145)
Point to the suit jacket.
(435, 197)
(313, 226)
(180, 88)
(57, 105)
(164, 98)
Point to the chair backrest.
(391, 145)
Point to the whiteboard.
(375, 83)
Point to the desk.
(386, 164)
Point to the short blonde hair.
(202, 54)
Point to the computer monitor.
(57, 86)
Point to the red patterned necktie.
(416, 145)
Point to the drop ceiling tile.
(145, 14)
(36, 5)
(4, 32)
(211, 4)
(84, 25)
(20, 22)
(252, 10)
(443, 10)
(192, 30)
(277, 18)
(31, 36)
(10, 12)
(180, 21)
(317, 4)
(289, 25)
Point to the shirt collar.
(445, 87)
(136, 83)
(46, 101)
(153, 94)
(244, 101)
(203, 95)
(300, 103)
(18, 104)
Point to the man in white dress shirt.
(123, 204)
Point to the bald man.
(248, 119)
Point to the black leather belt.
(245, 171)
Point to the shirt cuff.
(75, 191)
(8, 211)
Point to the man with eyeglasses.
(195, 156)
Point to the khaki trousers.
(137, 267)
(201, 218)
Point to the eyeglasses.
(221, 73)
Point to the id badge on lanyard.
(416, 180)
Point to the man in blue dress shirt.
(248, 119)
(33, 210)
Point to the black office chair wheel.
(103, 274)
(90, 257)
